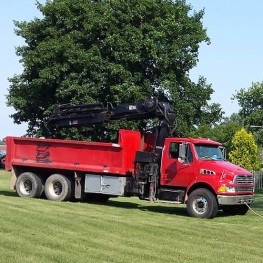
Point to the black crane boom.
(87, 114)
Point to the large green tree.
(110, 50)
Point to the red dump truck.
(151, 165)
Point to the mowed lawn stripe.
(124, 230)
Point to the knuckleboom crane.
(69, 115)
(146, 164)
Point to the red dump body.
(97, 157)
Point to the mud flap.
(12, 182)
(78, 193)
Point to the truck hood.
(224, 166)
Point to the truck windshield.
(208, 152)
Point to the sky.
(232, 61)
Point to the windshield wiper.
(214, 157)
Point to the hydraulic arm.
(85, 114)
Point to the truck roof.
(197, 141)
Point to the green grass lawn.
(124, 230)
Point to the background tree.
(235, 118)
(244, 150)
(222, 132)
(83, 51)
(251, 104)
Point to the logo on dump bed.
(42, 154)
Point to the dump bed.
(95, 157)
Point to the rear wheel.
(29, 185)
(202, 203)
(58, 188)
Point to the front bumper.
(235, 200)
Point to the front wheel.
(58, 188)
(202, 203)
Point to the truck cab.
(193, 164)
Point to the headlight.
(228, 189)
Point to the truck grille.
(244, 189)
(244, 179)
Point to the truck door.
(175, 171)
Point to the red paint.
(75, 155)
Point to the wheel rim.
(26, 187)
(55, 188)
(200, 205)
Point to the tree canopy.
(84, 51)
(251, 109)
(251, 103)
(222, 132)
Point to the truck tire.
(58, 188)
(29, 185)
(235, 209)
(202, 203)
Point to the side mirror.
(223, 150)
(182, 152)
